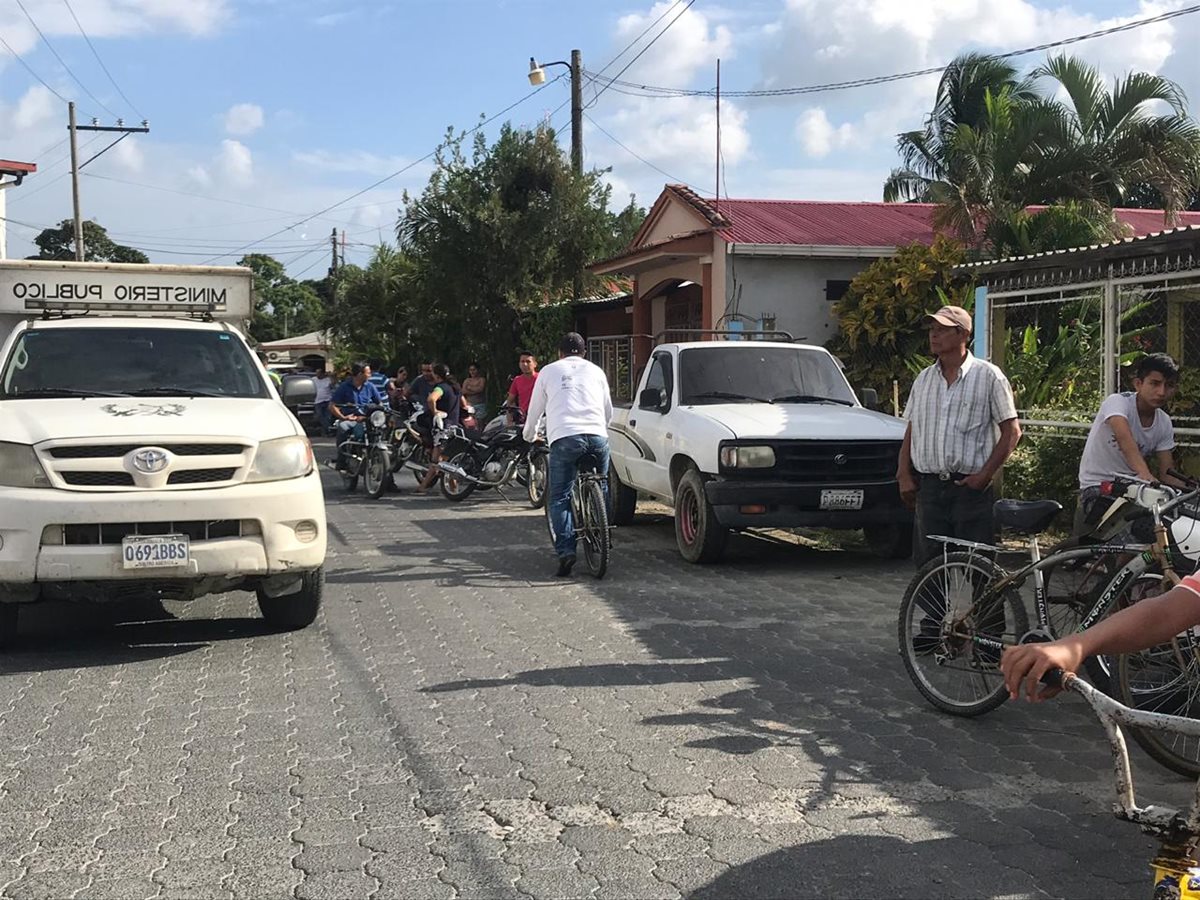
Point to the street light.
(537, 76)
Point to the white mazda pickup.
(738, 434)
(143, 448)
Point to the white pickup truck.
(752, 434)
(144, 450)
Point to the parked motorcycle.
(361, 458)
(492, 459)
(402, 448)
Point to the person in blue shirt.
(349, 404)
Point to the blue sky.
(263, 112)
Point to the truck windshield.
(745, 373)
(81, 362)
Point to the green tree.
(1104, 142)
(282, 307)
(996, 144)
(499, 234)
(59, 243)
(370, 316)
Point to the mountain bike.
(962, 609)
(589, 514)
(1176, 871)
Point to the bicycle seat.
(588, 463)
(1026, 516)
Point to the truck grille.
(828, 462)
(109, 451)
(82, 466)
(114, 533)
(200, 476)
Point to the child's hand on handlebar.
(1027, 663)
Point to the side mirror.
(870, 398)
(650, 398)
(298, 390)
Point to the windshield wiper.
(60, 392)
(729, 395)
(808, 398)
(173, 391)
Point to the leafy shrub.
(879, 317)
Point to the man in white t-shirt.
(324, 395)
(574, 396)
(1130, 427)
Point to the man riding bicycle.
(574, 396)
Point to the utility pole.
(76, 166)
(577, 112)
(333, 262)
(75, 182)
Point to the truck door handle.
(633, 423)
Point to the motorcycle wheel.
(375, 473)
(539, 470)
(457, 489)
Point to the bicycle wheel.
(945, 607)
(1165, 679)
(593, 530)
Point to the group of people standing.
(962, 428)
(571, 395)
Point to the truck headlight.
(747, 457)
(19, 467)
(288, 457)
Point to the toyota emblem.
(150, 460)
(841, 459)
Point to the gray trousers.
(946, 508)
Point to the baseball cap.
(954, 316)
(572, 343)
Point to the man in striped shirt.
(962, 426)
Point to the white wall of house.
(790, 288)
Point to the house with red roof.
(774, 265)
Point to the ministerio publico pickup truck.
(144, 450)
(739, 434)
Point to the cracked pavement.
(460, 724)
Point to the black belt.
(943, 476)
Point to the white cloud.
(818, 136)
(243, 118)
(235, 162)
(689, 46)
(329, 19)
(111, 18)
(37, 107)
(353, 161)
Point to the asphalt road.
(459, 723)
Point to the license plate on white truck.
(845, 499)
(159, 551)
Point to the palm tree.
(1106, 143)
(925, 170)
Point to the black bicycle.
(589, 512)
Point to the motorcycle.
(402, 447)
(362, 458)
(492, 459)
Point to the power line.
(666, 12)
(403, 169)
(653, 40)
(658, 91)
(607, 134)
(100, 61)
(62, 62)
(19, 59)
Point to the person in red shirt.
(521, 389)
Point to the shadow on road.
(59, 635)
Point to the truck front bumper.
(785, 504)
(57, 537)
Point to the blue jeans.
(322, 415)
(564, 462)
(348, 431)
